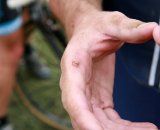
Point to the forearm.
(70, 12)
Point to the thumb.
(134, 31)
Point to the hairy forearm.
(69, 12)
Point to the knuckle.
(117, 13)
(117, 16)
(75, 58)
(131, 23)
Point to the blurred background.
(43, 94)
(22, 119)
(34, 94)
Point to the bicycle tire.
(38, 114)
(35, 108)
(54, 45)
(27, 97)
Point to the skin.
(88, 62)
(11, 50)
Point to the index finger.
(156, 34)
(76, 67)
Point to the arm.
(88, 62)
(69, 12)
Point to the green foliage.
(44, 92)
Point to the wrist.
(76, 20)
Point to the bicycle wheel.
(42, 97)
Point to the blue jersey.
(141, 61)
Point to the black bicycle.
(42, 97)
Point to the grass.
(22, 119)
(45, 93)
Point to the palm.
(99, 97)
(88, 74)
(100, 90)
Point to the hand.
(88, 69)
